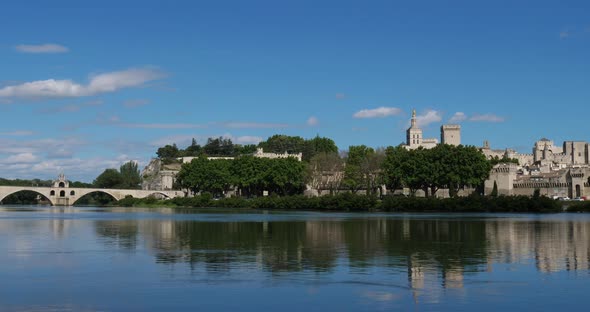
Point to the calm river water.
(122, 259)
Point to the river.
(131, 259)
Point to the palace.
(449, 134)
(550, 170)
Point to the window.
(72, 193)
(52, 193)
(62, 194)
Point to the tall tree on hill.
(219, 147)
(193, 150)
(130, 177)
(168, 151)
(280, 143)
(109, 178)
(318, 145)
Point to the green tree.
(392, 173)
(192, 175)
(248, 175)
(280, 143)
(469, 168)
(193, 150)
(284, 176)
(168, 151)
(219, 147)
(130, 177)
(324, 171)
(247, 149)
(217, 177)
(371, 170)
(318, 145)
(355, 177)
(110, 178)
(504, 160)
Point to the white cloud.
(564, 34)
(17, 133)
(430, 116)
(161, 125)
(312, 121)
(70, 108)
(22, 158)
(458, 117)
(42, 146)
(340, 96)
(252, 125)
(60, 153)
(45, 158)
(41, 48)
(27, 165)
(377, 112)
(102, 83)
(486, 118)
(247, 139)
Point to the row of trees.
(280, 143)
(362, 168)
(445, 166)
(214, 147)
(275, 144)
(251, 175)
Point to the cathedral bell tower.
(413, 134)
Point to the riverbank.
(364, 203)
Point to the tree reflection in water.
(433, 253)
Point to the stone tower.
(450, 134)
(504, 176)
(413, 134)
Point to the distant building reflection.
(436, 254)
(554, 246)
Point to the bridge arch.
(3, 196)
(164, 195)
(82, 194)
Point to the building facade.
(450, 134)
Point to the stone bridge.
(67, 196)
(61, 194)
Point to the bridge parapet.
(61, 195)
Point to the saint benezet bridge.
(61, 194)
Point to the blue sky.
(84, 87)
